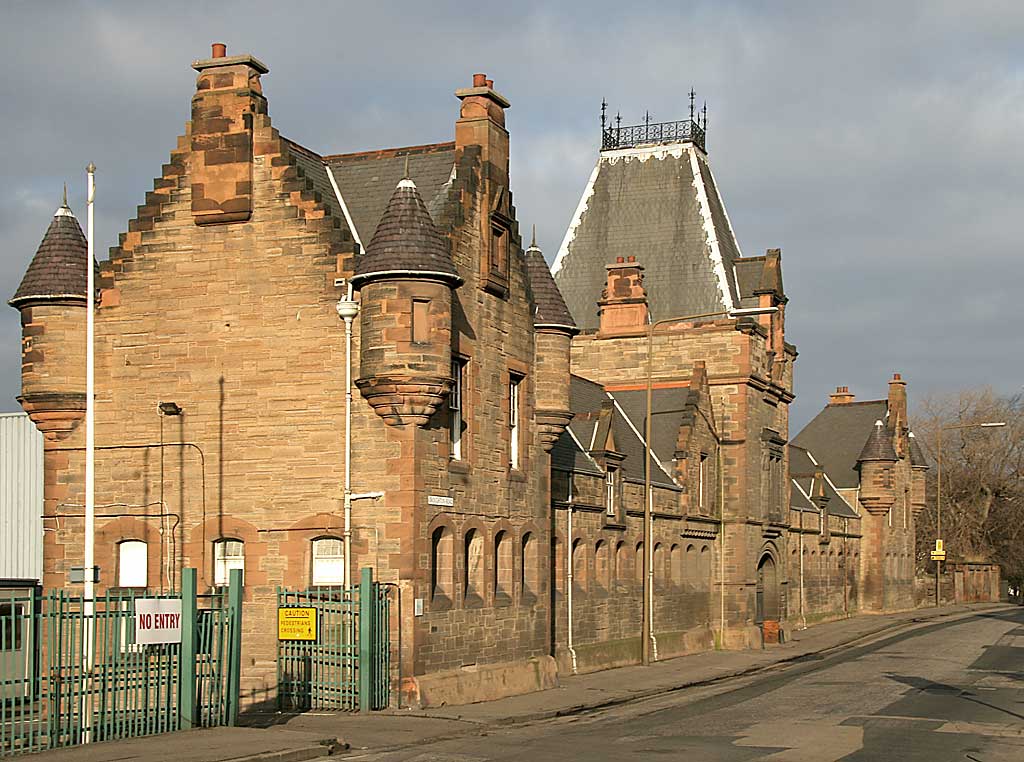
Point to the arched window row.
(503, 570)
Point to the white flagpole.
(90, 498)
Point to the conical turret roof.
(917, 458)
(547, 299)
(57, 271)
(879, 445)
(406, 242)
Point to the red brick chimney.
(841, 396)
(623, 304)
(228, 94)
(482, 123)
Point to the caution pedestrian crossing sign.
(295, 623)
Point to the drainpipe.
(347, 309)
(568, 569)
(803, 614)
(721, 540)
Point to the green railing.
(347, 664)
(71, 676)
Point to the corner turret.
(52, 302)
(876, 465)
(405, 279)
(553, 328)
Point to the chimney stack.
(841, 396)
(228, 96)
(482, 123)
(623, 304)
(897, 403)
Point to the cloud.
(876, 143)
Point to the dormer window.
(496, 261)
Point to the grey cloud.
(876, 143)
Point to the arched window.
(502, 565)
(638, 564)
(558, 564)
(659, 563)
(328, 561)
(621, 562)
(473, 566)
(227, 555)
(132, 564)
(602, 564)
(705, 567)
(529, 567)
(441, 564)
(579, 564)
(676, 560)
(691, 572)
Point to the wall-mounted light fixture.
(169, 408)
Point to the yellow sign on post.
(938, 546)
(938, 555)
(296, 624)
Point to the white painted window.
(514, 385)
(456, 422)
(611, 492)
(227, 555)
(702, 480)
(328, 561)
(132, 564)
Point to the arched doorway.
(767, 594)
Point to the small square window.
(227, 555)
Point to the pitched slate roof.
(837, 435)
(405, 240)
(366, 180)
(586, 398)
(803, 469)
(57, 271)
(660, 204)
(549, 306)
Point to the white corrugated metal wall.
(21, 498)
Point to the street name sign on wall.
(158, 620)
(296, 624)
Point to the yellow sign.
(296, 624)
(938, 555)
(938, 547)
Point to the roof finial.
(64, 201)
(604, 114)
(533, 240)
(406, 181)
(693, 95)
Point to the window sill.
(440, 602)
(516, 475)
(527, 598)
(502, 600)
(459, 466)
(472, 601)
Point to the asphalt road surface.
(946, 691)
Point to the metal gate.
(69, 677)
(344, 661)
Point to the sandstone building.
(498, 429)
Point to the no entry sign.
(158, 620)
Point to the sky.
(879, 145)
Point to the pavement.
(295, 737)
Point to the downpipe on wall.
(568, 577)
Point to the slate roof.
(879, 444)
(586, 399)
(312, 166)
(748, 277)
(406, 239)
(57, 271)
(802, 469)
(549, 306)
(661, 205)
(367, 180)
(917, 457)
(837, 435)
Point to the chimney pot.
(490, 83)
(631, 258)
(619, 260)
(220, 50)
(896, 377)
(479, 80)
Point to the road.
(945, 691)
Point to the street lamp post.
(648, 570)
(938, 490)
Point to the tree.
(982, 479)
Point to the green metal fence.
(72, 673)
(347, 663)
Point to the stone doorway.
(768, 599)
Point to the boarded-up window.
(132, 564)
(602, 563)
(676, 559)
(502, 565)
(441, 562)
(421, 320)
(473, 565)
